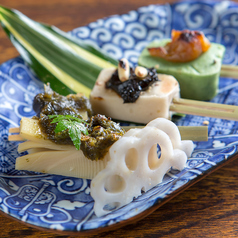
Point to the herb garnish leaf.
(73, 124)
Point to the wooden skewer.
(229, 71)
(16, 136)
(14, 130)
(206, 109)
(194, 133)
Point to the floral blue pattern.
(64, 203)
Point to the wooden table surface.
(207, 209)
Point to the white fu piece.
(134, 164)
(152, 103)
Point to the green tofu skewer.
(198, 79)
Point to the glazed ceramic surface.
(64, 203)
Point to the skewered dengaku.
(138, 95)
(198, 78)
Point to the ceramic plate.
(64, 203)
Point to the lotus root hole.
(115, 184)
(153, 159)
(131, 159)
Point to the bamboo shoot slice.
(67, 163)
(46, 144)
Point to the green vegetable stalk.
(67, 63)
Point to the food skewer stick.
(208, 109)
(14, 130)
(15, 134)
(195, 133)
(229, 71)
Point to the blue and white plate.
(64, 203)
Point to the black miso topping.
(130, 89)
